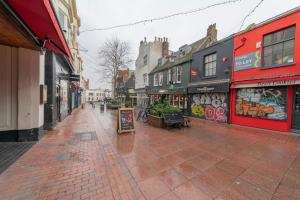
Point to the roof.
(196, 46)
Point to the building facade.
(94, 95)
(265, 90)
(62, 75)
(126, 88)
(170, 78)
(22, 52)
(210, 78)
(149, 53)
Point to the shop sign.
(194, 72)
(248, 61)
(125, 120)
(205, 89)
(269, 84)
(278, 83)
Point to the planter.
(156, 121)
(113, 106)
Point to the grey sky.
(179, 30)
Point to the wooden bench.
(174, 120)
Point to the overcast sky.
(179, 30)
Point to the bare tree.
(114, 54)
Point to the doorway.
(296, 109)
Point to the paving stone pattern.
(84, 158)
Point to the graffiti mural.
(210, 106)
(269, 103)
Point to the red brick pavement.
(84, 158)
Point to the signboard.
(125, 120)
(247, 61)
(269, 84)
(210, 88)
(194, 72)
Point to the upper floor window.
(159, 61)
(210, 65)
(169, 78)
(145, 78)
(156, 79)
(61, 19)
(279, 48)
(173, 75)
(161, 78)
(179, 74)
(145, 59)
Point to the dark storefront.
(62, 91)
(210, 78)
(210, 101)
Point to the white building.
(149, 53)
(95, 95)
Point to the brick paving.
(84, 158)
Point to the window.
(161, 78)
(159, 61)
(173, 75)
(145, 59)
(179, 74)
(61, 19)
(279, 48)
(169, 76)
(210, 65)
(145, 77)
(156, 79)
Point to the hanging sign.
(125, 120)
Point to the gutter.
(21, 23)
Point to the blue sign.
(248, 61)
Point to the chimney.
(165, 47)
(212, 33)
(145, 39)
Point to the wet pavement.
(84, 158)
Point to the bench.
(174, 120)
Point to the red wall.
(249, 46)
(256, 35)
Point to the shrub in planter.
(163, 108)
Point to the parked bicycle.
(143, 115)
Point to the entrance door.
(57, 98)
(296, 108)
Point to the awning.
(40, 18)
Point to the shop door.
(57, 98)
(296, 108)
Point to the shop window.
(156, 79)
(161, 78)
(179, 74)
(210, 65)
(181, 101)
(279, 48)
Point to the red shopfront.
(265, 89)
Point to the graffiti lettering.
(210, 106)
(262, 103)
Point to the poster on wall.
(210, 106)
(248, 61)
(268, 103)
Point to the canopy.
(39, 16)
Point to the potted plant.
(157, 112)
(114, 104)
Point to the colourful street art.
(269, 103)
(210, 106)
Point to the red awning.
(39, 16)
